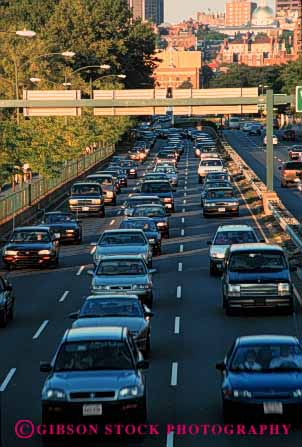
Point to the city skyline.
(176, 10)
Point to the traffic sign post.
(299, 99)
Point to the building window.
(265, 55)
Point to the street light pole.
(17, 89)
(269, 140)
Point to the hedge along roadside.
(20, 206)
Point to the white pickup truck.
(209, 165)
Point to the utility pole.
(269, 140)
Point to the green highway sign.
(299, 99)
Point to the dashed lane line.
(79, 272)
(174, 373)
(41, 329)
(178, 291)
(177, 325)
(7, 379)
(64, 296)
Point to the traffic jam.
(98, 370)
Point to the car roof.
(255, 246)
(123, 231)
(99, 174)
(156, 181)
(95, 333)
(142, 197)
(138, 218)
(123, 257)
(220, 188)
(33, 228)
(234, 228)
(58, 212)
(112, 296)
(86, 183)
(265, 339)
(149, 205)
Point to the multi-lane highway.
(251, 149)
(190, 331)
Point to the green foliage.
(207, 34)
(291, 76)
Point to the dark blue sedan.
(262, 377)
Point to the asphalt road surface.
(190, 332)
(251, 149)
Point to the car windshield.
(220, 194)
(122, 239)
(156, 187)
(166, 155)
(165, 170)
(257, 261)
(103, 179)
(113, 307)
(234, 237)
(121, 267)
(86, 189)
(134, 202)
(215, 184)
(94, 356)
(150, 211)
(213, 162)
(139, 225)
(156, 176)
(58, 218)
(296, 165)
(30, 236)
(217, 176)
(267, 358)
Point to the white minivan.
(234, 123)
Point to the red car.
(295, 152)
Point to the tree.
(291, 76)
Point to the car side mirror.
(220, 366)
(149, 314)
(74, 315)
(151, 271)
(90, 272)
(45, 367)
(209, 243)
(142, 364)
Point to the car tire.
(205, 215)
(12, 312)
(150, 263)
(148, 347)
(149, 301)
(78, 241)
(4, 318)
(224, 303)
(228, 415)
(113, 202)
(102, 212)
(228, 310)
(213, 271)
(199, 180)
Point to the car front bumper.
(117, 411)
(83, 209)
(223, 209)
(260, 302)
(255, 408)
(27, 260)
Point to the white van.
(234, 123)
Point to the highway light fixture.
(105, 67)
(68, 53)
(25, 33)
(34, 80)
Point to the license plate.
(92, 410)
(221, 210)
(273, 407)
(219, 265)
(85, 208)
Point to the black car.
(95, 376)
(255, 130)
(257, 276)
(221, 201)
(31, 246)
(150, 229)
(262, 378)
(65, 224)
(131, 168)
(160, 188)
(213, 184)
(157, 213)
(117, 310)
(7, 302)
(118, 172)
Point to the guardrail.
(285, 219)
(31, 193)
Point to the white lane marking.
(185, 194)
(112, 222)
(182, 232)
(181, 248)
(64, 296)
(7, 379)
(92, 251)
(170, 439)
(177, 325)
(174, 373)
(92, 243)
(185, 188)
(180, 266)
(185, 201)
(178, 292)
(297, 295)
(41, 329)
(184, 210)
(80, 270)
(182, 220)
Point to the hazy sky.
(177, 10)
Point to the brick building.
(175, 67)
(288, 8)
(239, 12)
(211, 18)
(181, 40)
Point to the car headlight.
(54, 394)
(70, 231)
(109, 193)
(197, 151)
(283, 289)
(140, 286)
(132, 171)
(97, 287)
(96, 201)
(131, 391)
(234, 289)
(208, 204)
(152, 241)
(10, 252)
(73, 202)
(44, 252)
(217, 255)
(168, 200)
(242, 393)
(297, 393)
